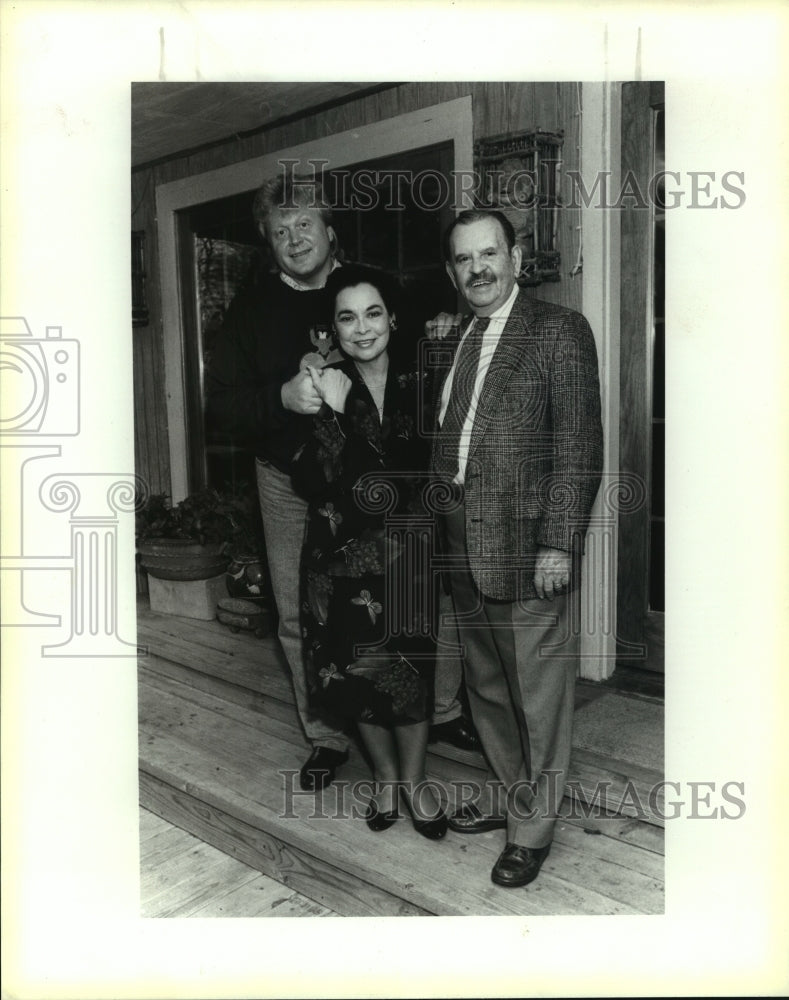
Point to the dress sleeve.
(321, 461)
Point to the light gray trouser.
(284, 516)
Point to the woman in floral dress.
(366, 595)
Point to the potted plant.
(188, 541)
(187, 547)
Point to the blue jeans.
(284, 516)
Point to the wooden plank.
(271, 708)
(625, 787)
(151, 825)
(219, 664)
(174, 883)
(620, 786)
(635, 390)
(622, 828)
(216, 635)
(209, 683)
(165, 847)
(490, 109)
(609, 868)
(352, 898)
(220, 764)
(327, 885)
(546, 107)
(262, 897)
(280, 722)
(188, 879)
(645, 836)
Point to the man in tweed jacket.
(524, 451)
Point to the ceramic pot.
(180, 559)
(247, 578)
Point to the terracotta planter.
(178, 559)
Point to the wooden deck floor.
(180, 876)
(218, 736)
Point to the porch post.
(601, 149)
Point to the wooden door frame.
(600, 227)
(640, 638)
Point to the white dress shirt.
(490, 341)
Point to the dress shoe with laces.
(468, 819)
(517, 866)
(320, 768)
(377, 820)
(459, 732)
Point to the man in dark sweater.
(258, 389)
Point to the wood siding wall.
(497, 107)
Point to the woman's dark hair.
(351, 275)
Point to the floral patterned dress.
(366, 590)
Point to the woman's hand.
(332, 385)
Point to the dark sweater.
(265, 335)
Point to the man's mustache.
(484, 276)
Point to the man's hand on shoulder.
(440, 327)
(299, 395)
(551, 572)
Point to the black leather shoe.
(377, 820)
(468, 819)
(518, 865)
(459, 732)
(321, 767)
(434, 828)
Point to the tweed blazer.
(536, 451)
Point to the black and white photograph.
(388, 399)
(313, 682)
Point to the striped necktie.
(447, 442)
